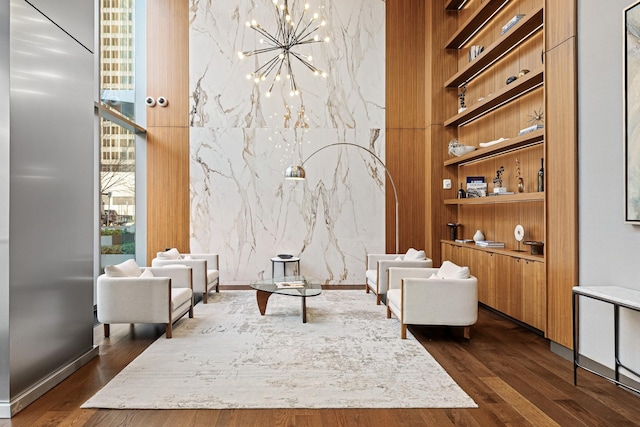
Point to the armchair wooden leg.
(403, 331)
(366, 288)
(388, 312)
(467, 332)
(191, 312)
(204, 297)
(168, 331)
(377, 299)
(106, 330)
(218, 286)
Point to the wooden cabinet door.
(482, 266)
(534, 294)
(508, 283)
(456, 254)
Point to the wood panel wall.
(561, 168)
(405, 121)
(168, 128)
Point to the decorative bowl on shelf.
(285, 256)
(537, 248)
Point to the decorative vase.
(478, 236)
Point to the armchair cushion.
(413, 254)
(172, 253)
(449, 270)
(128, 268)
(378, 264)
(147, 273)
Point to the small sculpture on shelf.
(457, 149)
(461, 95)
(497, 181)
(519, 177)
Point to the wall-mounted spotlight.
(150, 101)
(162, 101)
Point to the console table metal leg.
(616, 325)
(574, 303)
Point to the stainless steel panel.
(4, 200)
(72, 16)
(51, 197)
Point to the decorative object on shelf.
(519, 179)
(476, 187)
(297, 172)
(461, 193)
(511, 79)
(288, 35)
(453, 230)
(457, 149)
(490, 143)
(522, 73)
(513, 21)
(497, 181)
(541, 176)
(530, 129)
(489, 244)
(461, 95)
(518, 233)
(474, 51)
(537, 248)
(478, 236)
(536, 117)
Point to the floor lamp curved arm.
(296, 172)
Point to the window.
(119, 73)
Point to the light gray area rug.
(348, 355)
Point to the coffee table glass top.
(297, 286)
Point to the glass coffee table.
(295, 286)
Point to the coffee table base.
(262, 297)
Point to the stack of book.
(489, 244)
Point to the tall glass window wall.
(120, 133)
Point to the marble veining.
(241, 142)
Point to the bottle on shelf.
(541, 176)
(461, 193)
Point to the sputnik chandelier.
(288, 35)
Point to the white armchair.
(378, 264)
(445, 296)
(206, 273)
(127, 293)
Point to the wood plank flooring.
(508, 370)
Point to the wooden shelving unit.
(510, 92)
(524, 254)
(510, 281)
(490, 200)
(516, 35)
(475, 23)
(528, 139)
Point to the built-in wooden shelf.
(475, 23)
(531, 138)
(516, 35)
(454, 4)
(490, 200)
(523, 254)
(508, 93)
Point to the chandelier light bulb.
(306, 6)
(287, 18)
(278, 77)
(316, 37)
(248, 24)
(309, 58)
(291, 93)
(241, 55)
(316, 73)
(324, 74)
(315, 16)
(281, 56)
(327, 39)
(297, 92)
(268, 94)
(257, 80)
(261, 41)
(248, 76)
(254, 23)
(323, 23)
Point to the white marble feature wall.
(241, 142)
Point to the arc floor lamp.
(297, 172)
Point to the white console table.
(618, 297)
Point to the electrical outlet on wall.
(446, 184)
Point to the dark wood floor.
(509, 371)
